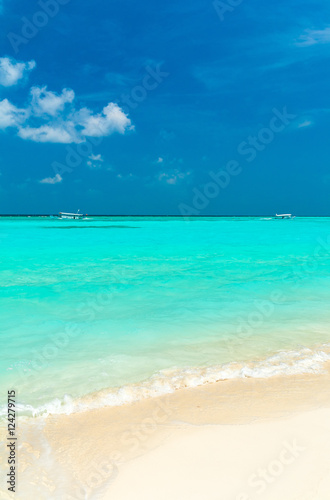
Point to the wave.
(284, 363)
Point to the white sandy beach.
(287, 459)
(241, 439)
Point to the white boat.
(65, 215)
(284, 216)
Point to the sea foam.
(284, 363)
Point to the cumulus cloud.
(111, 119)
(49, 103)
(52, 180)
(10, 115)
(12, 71)
(47, 133)
(49, 116)
(52, 117)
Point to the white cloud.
(94, 161)
(128, 177)
(49, 103)
(52, 180)
(111, 119)
(172, 176)
(52, 117)
(160, 160)
(95, 157)
(313, 37)
(10, 115)
(12, 71)
(306, 123)
(46, 133)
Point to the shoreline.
(305, 360)
(96, 452)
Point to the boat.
(284, 216)
(77, 216)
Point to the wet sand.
(238, 439)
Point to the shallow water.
(119, 308)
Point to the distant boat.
(77, 216)
(284, 216)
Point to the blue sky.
(138, 107)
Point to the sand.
(238, 440)
(241, 440)
(280, 460)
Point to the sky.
(178, 107)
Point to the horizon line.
(160, 215)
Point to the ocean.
(110, 310)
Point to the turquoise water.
(114, 309)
